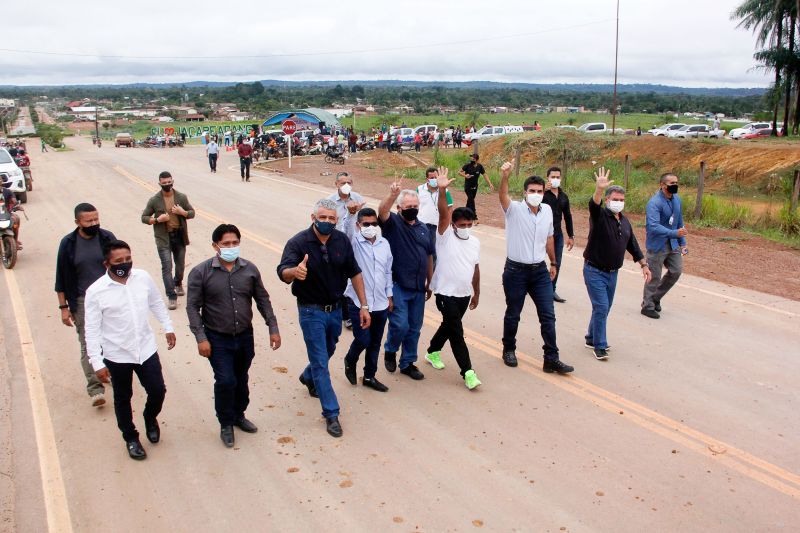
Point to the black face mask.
(122, 270)
(410, 214)
(166, 188)
(91, 231)
(672, 189)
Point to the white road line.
(55, 497)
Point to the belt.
(527, 266)
(325, 308)
(606, 270)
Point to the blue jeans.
(600, 286)
(176, 252)
(231, 357)
(321, 332)
(405, 324)
(366, 339)
(558, 241)
(518, 281)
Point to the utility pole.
(616, 61)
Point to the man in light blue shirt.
(666, 243)
(374, 257)
(344, 197)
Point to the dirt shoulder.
(728, 256)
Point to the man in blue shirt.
(412, 271)
(666, 243)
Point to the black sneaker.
(413, 372)
(650, 313)
(390, 361)
(556, 366)
(350, 373)
(600, 354)
(591, 346)
(312, 390)
(510, 358)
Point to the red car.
(763, 132)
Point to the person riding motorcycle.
(10, 202)
(22, 158)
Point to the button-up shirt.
(609, 237)
(411, 246)
(560, 207)
(375, 261)
(341, 206)
(222, 300)
(527, 232)
(664, 219)
(117, 325)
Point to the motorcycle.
(9, 242)
(334, 154)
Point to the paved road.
(690, 425)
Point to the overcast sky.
(690, 43)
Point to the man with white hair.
(412, 270)
(318, 262)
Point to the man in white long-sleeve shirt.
(120, 341)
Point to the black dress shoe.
(510, 358)
(152, 430)
(650, 313)
(390, 361)
(226, 434)
(374, 384)
(312, 390)
(413, 372)
(350, 373)
(557, 298)
(135, 449)
(556, 366)
(333, 426)
(658, 307)
(245, 425)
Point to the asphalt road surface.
(691, 425)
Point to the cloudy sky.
(675, 42)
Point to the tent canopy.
(310, 118)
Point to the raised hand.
(601, 178)
(505, 169)
(354, 207)
(301, 271)
(396, 187)
(443, 172)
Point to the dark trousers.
(433, 229)
(244, 167)
(366, 339)
(175, 252)
(231, 357)
(212, 161)
(151, 378)
(472, 192)
(558, 241)
(453, 309)
(533, 280)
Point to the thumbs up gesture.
(301, 271)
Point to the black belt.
(326, 308)
(527, 266)
(606, 270)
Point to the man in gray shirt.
(219, 304)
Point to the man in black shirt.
(610, 235)
(220, 309)
(471, 172)
(318, 262)
(558, 201)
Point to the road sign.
(289, 127)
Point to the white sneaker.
(98, 400)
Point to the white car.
(426, 129)
(594, 127)
(738, 133)
(693, 131)
(491, 131)
(662, 131)
(11, 174)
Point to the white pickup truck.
(490, 131)
(695, 131)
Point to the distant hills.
(480, 85)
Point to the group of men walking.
(352, 264)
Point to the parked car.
(752, 127)
(10, 172)
(761, 132)
(694, 131)
(490, 131)
(661, 131)
(567, 127)
(594, 127)
(426, 129)
(124, 139)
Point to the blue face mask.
(324, 228)
(229, 255)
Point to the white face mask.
(555, 183)
(462, 233)
(534, 199)
(433, 182)
(615, 206)
(346, 188)
(369, 232)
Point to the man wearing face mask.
(79, 264)
(665, 243)
(558, 201)
(412, 271)
(167, 211)
(610, 236)
(318, 262)
(220, 309)
(456, 282)
(120, 341)
(374, 257)
(529, 245)
(345, 198)
(429, 203)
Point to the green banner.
(197, 131)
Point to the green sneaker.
(434, 359)
(471, 379)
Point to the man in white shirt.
(529, 243)
(212, 149)
(374, 257)
(429, 202)
(456, 282)
(120, 341)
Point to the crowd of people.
(372, 270)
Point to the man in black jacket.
(558, 201)
(79, 264)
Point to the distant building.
(7, 102)
(193, 117)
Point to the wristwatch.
(365, 307)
